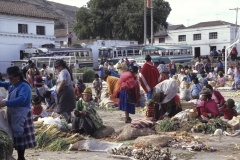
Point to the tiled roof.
(163, 32)
(23, 9)
(210, 24)
(61, 32)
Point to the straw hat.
(87, 91)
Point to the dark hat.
(59, 62)
(148, 57)
(13, 71)
(206, 91)
(36, 100)
(230, 103)
(96, 75)
(133, 69)
(80, 81)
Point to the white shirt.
(76, 65)
(64, 75)
(230, 71)
(47, 71)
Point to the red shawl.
(37, 110)
(127, 82)
(149, 76)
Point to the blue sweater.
(24, 94)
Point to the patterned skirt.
(27, 140)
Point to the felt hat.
(13, 71)
(206, 91)
(36, 100)
(133, 69)
(230, 103)
(148, 57)
(150, 101)
(87, 91)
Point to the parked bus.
(177, 53)
(116, 53)
(83, 55)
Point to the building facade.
(203, 37)
(22, 26)
(61, 37)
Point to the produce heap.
(6, 145)
(49, 138)
(147, 153)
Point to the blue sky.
(189, 12)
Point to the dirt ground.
(229, 147)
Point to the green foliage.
(166, 125)
(88, 74)
(59, 25)
(119, 19)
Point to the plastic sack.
(185, 94)
(4, 124)
(3, 93)
(51, 120)
(182, 116)
(237, 107)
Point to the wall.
(226, 36)
(105, 43)
(11, 42)
(64, 39)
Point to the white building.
(203, 37)
(61, 37)
(21, 26)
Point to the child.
(150, 109)
(79, 89)
(37, 109)
(203, 79)
(221, 80)
(49, 100)
(97, 85)
(228, 109)
(196, 89)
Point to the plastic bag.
(3, 93)
(182, 116)
(4, 124)
(51, 120)
(237, 107)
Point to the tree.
(119, 19)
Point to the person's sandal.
(128, 120)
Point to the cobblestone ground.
(228, 146)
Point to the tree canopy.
(119, 19)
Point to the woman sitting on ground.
(221, 80)
(86, 119)
(165, 94)
(50, 100)
(207, 108)
(216, 96)
(196, 89)
(228, 109)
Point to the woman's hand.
(2, 103)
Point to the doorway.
(213, 47)
(197, 52)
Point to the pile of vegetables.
(147, 153)
(166, 125)
(6, 145)
(51, 139)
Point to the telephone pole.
(152, 22)
(236, 28)
(145, 22)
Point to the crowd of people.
(75, 103)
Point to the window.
(196, 37)
(181, 38)
(213, 35)
(161, 40)
(22, 28)
(40, 30)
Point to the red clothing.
(150, 111)
(149, 76)
(228, 112)
(77, 93)
(170, 67)
(205, 107)
(218, 98)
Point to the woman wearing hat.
(207, 108)
(86, 119)
(129, 92)
(19, 111)
(64, 89)
(216, 95)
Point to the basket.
(187, 86)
